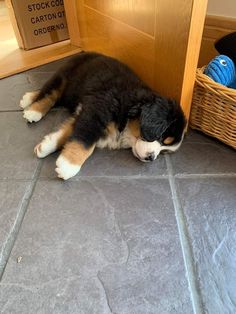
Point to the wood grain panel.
(171, 35)
(72, 22)
(137, 13)
(109, 36)
(177, 42)
(215, 28)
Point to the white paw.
(32, 115)
(27, 99)
(48, 145)
(65, 170)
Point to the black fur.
(110, 92)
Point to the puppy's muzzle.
(150, 157)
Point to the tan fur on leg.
(76, 153)
(72, 158)
(55, 140)
(40, 108)
(28, 99)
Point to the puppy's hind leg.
(37, 104)
(28, 99)
(87, 130)
(55, 140)
(71, 159)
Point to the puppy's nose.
(150, 157)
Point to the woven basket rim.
(206, 82)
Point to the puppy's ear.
(135, 111)
(152, 125)
(157, 117)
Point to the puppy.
(110, 107)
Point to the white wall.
(222, 7)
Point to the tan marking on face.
(134, 127)
(169, 140)
(76, 153)
(66, 131)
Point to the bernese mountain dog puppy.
(110, 107)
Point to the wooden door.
(158, 39)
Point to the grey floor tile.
(12, 89)
(11, 195)
(38, 79)
(203, 158)
(17, 141)
(110, 163)
(194, 136)
(209, 206)
(97, 246)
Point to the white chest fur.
(117, 140)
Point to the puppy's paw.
(27, 99)
(48, 145)
(32, 115)
(66, 170)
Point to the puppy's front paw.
(32, 115)
(65, 169)
(27, 99)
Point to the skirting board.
(215, 28)
(19, 60)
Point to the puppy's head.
(162, 125)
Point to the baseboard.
(215, 28)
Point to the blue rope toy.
(222, 70)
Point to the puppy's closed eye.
(169, 140)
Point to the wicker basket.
(214, 109)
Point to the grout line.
(205, 175)
(55, 109)
(15, 110)
(10, 241)
(185, 244)
(132, 177)
(7, 179)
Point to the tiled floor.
(122, 237)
